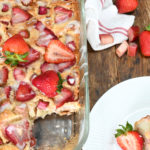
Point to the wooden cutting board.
(107, 70)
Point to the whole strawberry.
(125, 6)
(145, 42)
(128, 139)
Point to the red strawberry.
(133, 33)
(125, 6)
(24, 33)
(106, 39)
(5, 8)
(24, 92)
(71, 80)
(32, 57)
(57, 67)
(40, 26)
(26, 2)
(65, 96)
(47, 83)
(19, 74)
(19, 15)
(62, 14)
(3, 76)
(57, 52)
(45, 37)
(42, 105)
(128, 139)
(132, 49)
(18, 133)
(7, 91)
(16, 44)
(145, 42)
(42, 10)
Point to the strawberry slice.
(65, 96)
(32, 57)
(40, 26)
(122, 49)
(62, 14)
(106, 39)
(45, 37)
(19, 74)
(57, 67)
(71, 80)
(128, 139)
(5, 8)
(71, 45)
(19, 15)
(26, 2)
(16, 44)
(47, 83)
(132, 49)
(3, 76)
(57, 52)
(24, 33)
(42, 105)
(18, 133)
(133, 33)
(42, 10)
(24, 92)
(7, 90)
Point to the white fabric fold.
(102, 17)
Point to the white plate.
(127, 101)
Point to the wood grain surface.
(107, 70)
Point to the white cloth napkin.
(102, 17)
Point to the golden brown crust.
(8, 147)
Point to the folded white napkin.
(102, 17)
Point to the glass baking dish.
(68, 132)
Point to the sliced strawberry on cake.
(57, 52)
(19, 15)
(49, 83)
(15, 50)
(3, 75)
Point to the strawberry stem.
(148, 28)
(124, 130)
(13, 59)
(60, 82)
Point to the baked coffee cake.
(39, 66)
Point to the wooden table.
(107, 70)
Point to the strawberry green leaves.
(60, 82)
(13, 59)
(148, 28)
(124, 130)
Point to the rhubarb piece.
(18, 134)
(106, 39)
(70, 80)
(56, 67)
(24, 33)
(42, 105)
(19, 74)
(133, 33)
(19, 15)
(5, 8)
(65, 96)
(132, 49)
(42, 10)
(39, 26)
(7, 91)
(24, 92)
(49, 83)
(71, 45)
(3, 76)
(57, 52)
(32, 57)
(122, 49)
(62, 14)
